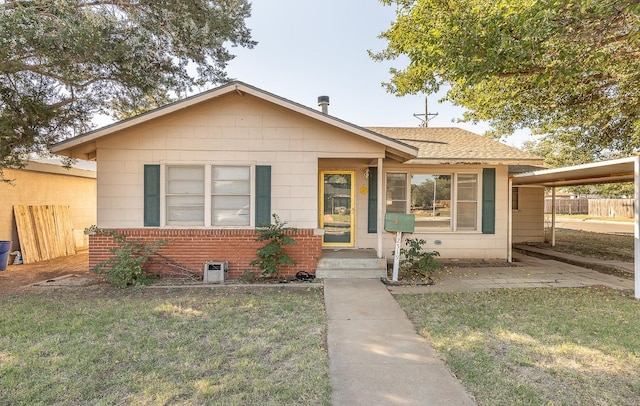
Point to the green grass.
(150, 346)
(536, 346)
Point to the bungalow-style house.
(202, 173)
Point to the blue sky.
(308, 48)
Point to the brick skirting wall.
(191, 248)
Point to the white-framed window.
(431, 200)
(467, 201)
(396, 193)
(231, 195)
(208, 195)
(185, 195)
(439, 201)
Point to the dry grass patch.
(536, 346)
(594, 245)
(154, 346)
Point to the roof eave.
(70, 146)
(477, 161)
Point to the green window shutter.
(489, 201)
(152, 195)
(372, 216)
(263, 195)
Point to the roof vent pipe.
(323, 102)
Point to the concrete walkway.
(377, 358)
(375, 355)
(526, 272)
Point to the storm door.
(337, 206)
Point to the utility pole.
(426, 116)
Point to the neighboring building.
(203, 172)
(45, 181)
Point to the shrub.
(413, 258)
(272, 255)
(126, 266)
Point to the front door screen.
(337, 208)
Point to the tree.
(569, 71)
(62, 62)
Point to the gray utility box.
(214, 271)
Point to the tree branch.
(14, 4)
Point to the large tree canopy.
(568, 70)
(63, 61)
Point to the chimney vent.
(323, 102)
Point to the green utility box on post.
(399, 222)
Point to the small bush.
(413, 258)
(126, 266)
(272, 256)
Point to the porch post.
(636, 226)
(380, 210)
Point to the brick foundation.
(191, 248)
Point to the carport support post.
(636, 226)
(553, 216)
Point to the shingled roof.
(449, 145)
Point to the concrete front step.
(352, 263)
(351, 268)
(343, 273)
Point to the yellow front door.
(337, 208)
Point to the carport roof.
(613, 171)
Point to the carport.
(613, 171)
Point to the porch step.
(361, 273)
(363, 268)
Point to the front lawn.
(151, 346)
(536, 346)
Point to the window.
(467, 202)
(185, 195)
(440, 202)
(230, 195)
(396, 192)
(431, 200)
(223, 191)
(515, 194)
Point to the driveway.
(17, 276)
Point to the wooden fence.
(568, 206)
(45, 232)
(592, 207)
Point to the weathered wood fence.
(45, 232)
(592, 207)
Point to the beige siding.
(40, 188)
(528, 220)
(232, 129)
